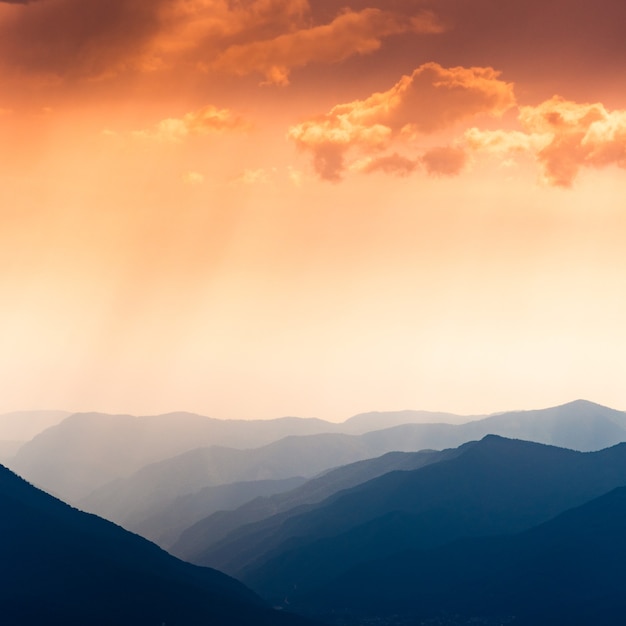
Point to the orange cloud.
(582, 135)
(389, 164)
(431, 99)
(205, 28)
(504, 141)
(563, 136)
(445, 161)
(101, 38)
(348, 34)
(206, 120)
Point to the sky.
(258, 208)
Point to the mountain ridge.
(61, 565)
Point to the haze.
(283, 207)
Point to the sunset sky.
(257, 208)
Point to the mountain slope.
(205, 533)
(62, 566)
(569, 570)
(164, 523)
(88, 450)
(494, 486)
(154, 485)
(377, 420)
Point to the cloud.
(389, 164)
(349, 33)
(445, 161)
(206, 120)
(581, 135)
(504, 141)
(102, 38)
(431, 99)
(439, 161)
(563, 136)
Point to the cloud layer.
(100, 38)
(429, 100)
(348, 34)
(207, 120)
(563, 136)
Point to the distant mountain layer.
(569, 570)
(164, 522)
(209, 531)
(493, 486)
(95, 456)
(88, 450)
(61, 566)
(206, 467)
(581, 425)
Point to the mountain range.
(413, 524)
(210, 530)
(492, 486)
(88, 450)
(135, 500)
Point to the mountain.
(152, 488)
(578, 425)
(62, 566)
(377, 420)
(88, 450)
(569, 570)
(203, 534)
(493, 486)
(160, 482)
(164, 522)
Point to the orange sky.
(257, 208)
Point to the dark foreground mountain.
(493, 486)
(569, 570)
(61, 566)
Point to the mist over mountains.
(376, 520)
(86, 451)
